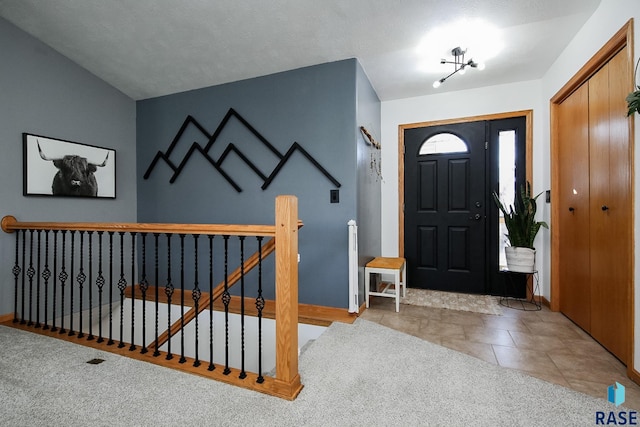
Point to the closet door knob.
(605, 207)
(571, 209)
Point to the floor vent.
(95, 361)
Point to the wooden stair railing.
(28, 273)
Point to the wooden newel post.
(287, 291)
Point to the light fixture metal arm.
(458, 62)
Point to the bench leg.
(396, 275)
(366, 286)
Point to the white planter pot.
(521, 260)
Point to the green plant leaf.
(520, 219)
(633, 102)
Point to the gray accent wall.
(369, 176)
(318, 107)
(44, 93)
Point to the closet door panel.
(573, 197)
(610, 215)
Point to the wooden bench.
(392, 266)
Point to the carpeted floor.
(360, 374)
(486, 304)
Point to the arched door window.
(443, 143)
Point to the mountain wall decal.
(196, 148)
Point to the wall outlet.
(335, 196)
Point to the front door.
(445, 212)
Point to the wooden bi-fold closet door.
(594, 184)
(573, 197)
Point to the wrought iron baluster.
(182, 358)
(63, 280)
(55, 278)
(110, 341)
(211, 365)
(260, 307)
(46, 275)
(24, 250)
(38, 281)
(168, 290)
(30, 273)
(196, 294)
(156, 236)
(243, 374)
(122, 284)
(226, 299)
(100, 283)
(73, 257)
(132, 347)
(81, 279)
(16, 275)
(144, 285)
(90, 238)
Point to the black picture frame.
(60, 168)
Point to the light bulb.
(462, 70)
(437, 84)
(481, 66)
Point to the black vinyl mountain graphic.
(217, 164)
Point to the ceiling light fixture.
(459, 63)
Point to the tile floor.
(543, 344)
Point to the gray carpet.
(354, 375)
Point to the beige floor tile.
(423, 312)
(522, 315)
(525, 360)
(632, 395)
(599, 389)
(486, 335)
(408, 325)
(504, 322)
(585, 367)
(542, 344)
(553, 317)
(479, 350)
(593, 349)
(372, 315)
(526, 340)
(382, 304)
(553, 329)
(442, 329)
(461, 317)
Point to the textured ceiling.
(148, 48)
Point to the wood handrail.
(284, 242)
(10, 224)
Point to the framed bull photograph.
(58, 168)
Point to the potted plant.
(522, 229)
(633, 99)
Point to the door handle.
(476, 217)
(571, 209)
(605, 208)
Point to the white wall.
(610, 16)
(603, 24)
(469, 103)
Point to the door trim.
(624, 37)
(527, 114)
